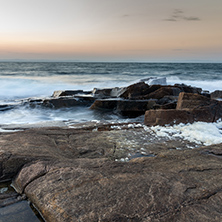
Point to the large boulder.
(190, 107)
(134, 108)
(136, 90)
(173, 116)
(216, 94)
(192, 100)
(164, 91)
(142, 90)
(130, 108)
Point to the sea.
(22, 80)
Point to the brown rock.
(104, 104)
(172, 185)
(164, 91)
(209, 113)
(28, 174)
(191, 100)
(167, 116)
(137, 90)
(176, 186)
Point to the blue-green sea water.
(21, 80)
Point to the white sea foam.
(198, 132)
(19, 81)
(205, 85)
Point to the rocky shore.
(118, 172)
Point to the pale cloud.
(179, 15)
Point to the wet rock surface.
(131, 101)
(190, 107)
(85, 173)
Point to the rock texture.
(130, 108)
(217, 94)
(190, 107)
(72, 175)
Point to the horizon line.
(107, 61)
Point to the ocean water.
(21, 80)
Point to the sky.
(111, 30)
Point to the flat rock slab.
(76, 175)
(175, 186)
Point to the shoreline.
(164, 167)
(65, 164)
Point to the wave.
(204, 84)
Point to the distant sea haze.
(20, 80)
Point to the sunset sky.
(111, 30)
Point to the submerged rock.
(6, 107)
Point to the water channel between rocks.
(14, 208)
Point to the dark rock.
(104, 104)
(216, 94)
(6, 107)
(144, 91)
(66, 102)
(60, 93)
(164, 91)
(20, 211)
(101, 93)
(10, 164)
(136, 90)
(188, 89)
(107, 92)
(85, 99)
(167, 100)
(171, 105)
(130, 108)
(206, 93)
(134, 108)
